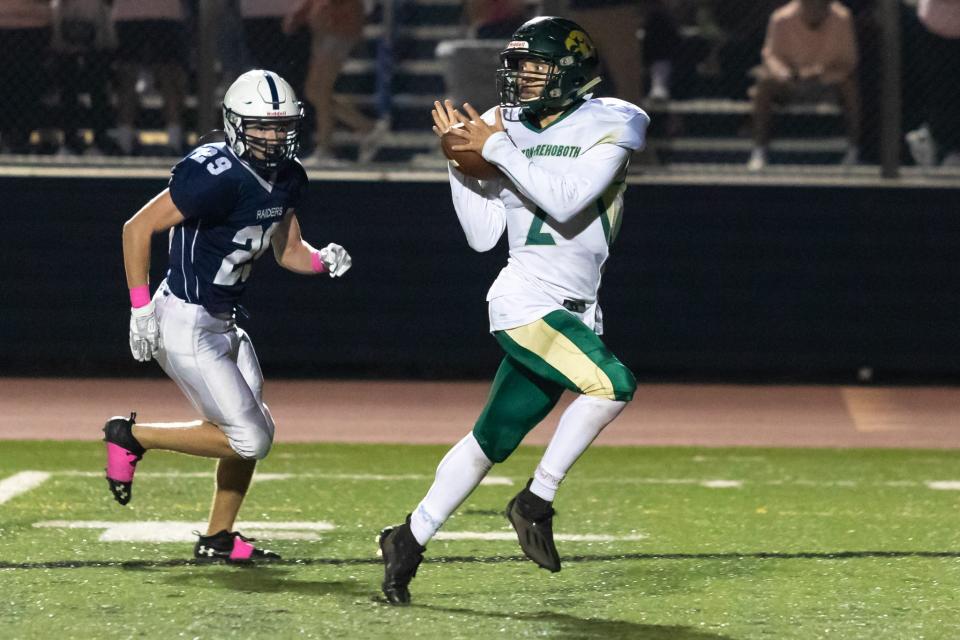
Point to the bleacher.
(696, 130)
(693, 130)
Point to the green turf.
(813, 544)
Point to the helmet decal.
(578, 42)
(274, 94)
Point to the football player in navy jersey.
(226, 203)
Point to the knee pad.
(253, 443)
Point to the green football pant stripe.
(519, 400)
(564, 350)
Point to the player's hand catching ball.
(144, 333)
(444, 116)
(463, 146)
(474, 130)
(336, 259)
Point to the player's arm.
(480, 211)
(482, 216)
(561, 196)
(157, 216)
(296, 254)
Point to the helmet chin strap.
(588, 86)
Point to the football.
(469, 163)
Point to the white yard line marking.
(262, 477)
(722, 484)
(35, 478)
(944, 485)
(710, 484)
(21, 483)
(511, 536)
(175, 531)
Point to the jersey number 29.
(236, 266)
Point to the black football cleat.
(532, 518)
(231, 547)
(402, 555)
(123, 454)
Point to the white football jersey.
(561, 203)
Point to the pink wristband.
(140, 296)
(316, 264)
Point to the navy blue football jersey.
(230, 214)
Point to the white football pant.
(213, 362)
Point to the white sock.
(579, 425)
(458, 474)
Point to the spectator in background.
(661, 42)
(24, 41)
(149, 39)
(273, 42)
(495, 19)
(336, 27)
(614, 26)
(938, 47)
(810, 53)
(83, 37)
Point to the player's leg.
(234, 474)
(560, 348)
(197, 438)
(518, 401)
(200, 353)
(231, 398)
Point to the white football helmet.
(262, 100)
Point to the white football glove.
(336, 259)
(144, 333)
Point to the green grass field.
(688, 544)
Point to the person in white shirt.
(563, 156)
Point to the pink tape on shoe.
(242, 550)
(139, 296)
(316, 264)
(120, 463)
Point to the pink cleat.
(123, 454)
(231, 547)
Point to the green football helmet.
(566, 47)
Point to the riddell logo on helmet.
(518, 44)
(276, 113)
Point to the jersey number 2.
(236, 266)
(537, 235)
